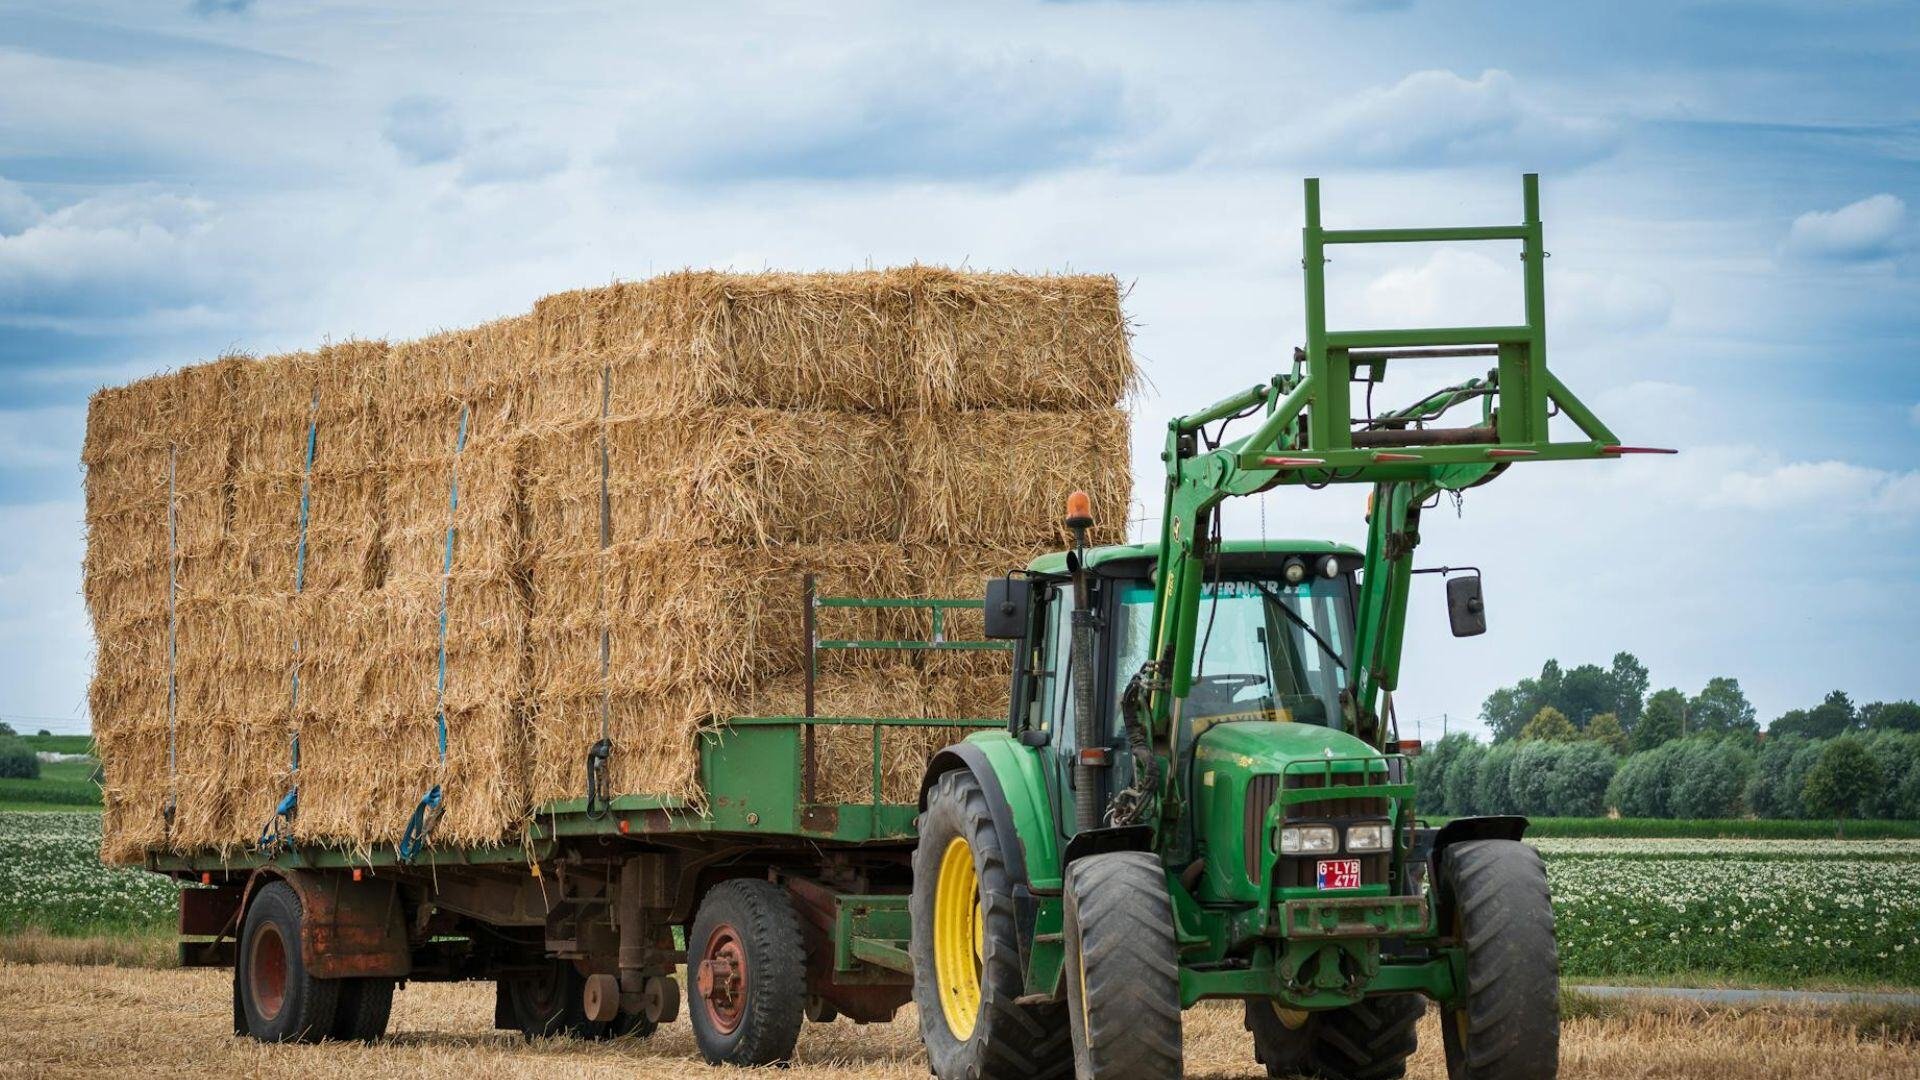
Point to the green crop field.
(51, 879)
(62, 784)
(1766, 911)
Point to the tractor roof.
(1055, 562)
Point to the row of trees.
(1876, 775)
(1616, 699)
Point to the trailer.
(781, 906)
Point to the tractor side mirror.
(1009, 602)
(1466, 609)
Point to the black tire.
(1506, 1023)
(1369, 1040)
(1008, 1041)
(364, 1009)
(554, 1004)
(545, 1005)
(1123, 968)
(279, 999)
(758, 1023)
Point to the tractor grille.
(1297, 871)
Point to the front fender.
(1016, 789)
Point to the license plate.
(1337, 874)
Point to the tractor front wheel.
(967, 972)
(1505, 1022)
(1123, 968)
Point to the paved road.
(1750, 997)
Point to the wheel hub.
(267, 971)
(722, 977)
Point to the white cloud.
(424, 129)
(1433, 118)
(1859, 230)
(40, 438)
(909, 110)
(510, 155)
(1457, 286)
(124, 251)
(17, 209)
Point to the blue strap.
(425, 817)
(270, 837)
(427, 814)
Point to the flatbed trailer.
(583, 921)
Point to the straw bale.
(486, 521)
(133, 791)
(483, 368)
(988, 476)
(844, 753)
(727, 475)
(985, 341)
(330, 391)
(652, 736)
(371, 669)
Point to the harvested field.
(178, 1022)
(590, 520)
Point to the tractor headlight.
(1377, 836)
(1307, 839)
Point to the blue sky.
(1730, 196)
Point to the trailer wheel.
(280, 1000)
(364, 1009)
(1369, 1040)
(967, 971)
(747, 970)
(1123, 968)
(544, 1005)
(1505, 1024)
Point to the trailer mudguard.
(1016, 790)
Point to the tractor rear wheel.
(746, 974)
(967, 972)
(1368, 1040)
(279, 1000)
(1123, 968)
(1505, 1023)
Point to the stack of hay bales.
(646, 473)
(894, 433)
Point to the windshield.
(1261, 650)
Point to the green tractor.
(1203, 793)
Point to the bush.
(1530, 776)
(1641, 785)
(1899, 756)
(1709, 777)
(17, 759)
(1491, 794)
(1768, 793)
(1578, 787)
(1463, 780)
(1842, 780)
(1431, 769)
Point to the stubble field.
(61, 1021)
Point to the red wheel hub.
(722, 977)
(267, 971)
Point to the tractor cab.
(1275, 631)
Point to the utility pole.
(1443, 725)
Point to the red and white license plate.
(1337, 874)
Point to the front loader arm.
(1307, 434)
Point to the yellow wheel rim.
(959, 932)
